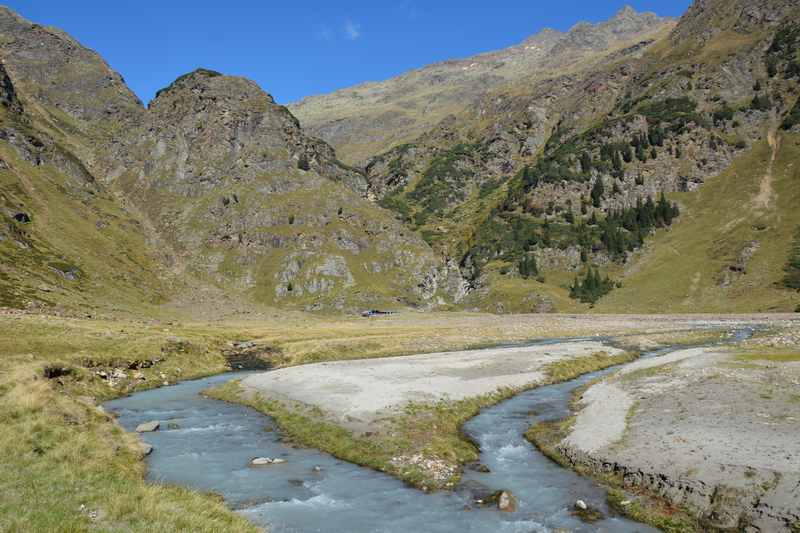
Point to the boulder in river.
(475, 491)
(147, 427)
(506, 502)
(475, 466)
(502, 499)
(147, 449)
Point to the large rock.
(147, 427)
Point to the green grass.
(566, 369)
(75, 228)
(773, 355)
(681, 270)
(67, 465)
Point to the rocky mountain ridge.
(372, 117)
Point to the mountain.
(640, 164)
(372, 117)
(536, 185)
(212, 189)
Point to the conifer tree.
(640, 155)
(627, 154)
(616, 161)
(528, 267)
(586, 162)
(597, 192)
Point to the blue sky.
(303, 47)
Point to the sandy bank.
(357, 393)
(703, 428)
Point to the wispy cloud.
(408, 10)
(352, 30)
(324, 33)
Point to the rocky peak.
(629, 21)
(54, 69)
(707, 18)
(625, 25)
(206, 127)
(201, 80)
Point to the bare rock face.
(206, 127)
(707, 18)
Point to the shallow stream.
(207, 444)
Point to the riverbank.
(705, 439)
(72, 467)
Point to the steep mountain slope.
(544, 180)
(372, 117)
(63, 237)
(730, 248)
(568, 172)
(69, 90)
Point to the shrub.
(723, 113)
(442, 181)
(761, 102)
(793, 118)
(675, 111)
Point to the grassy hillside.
(76, 247)
(702, 263)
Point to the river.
(206, 444)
